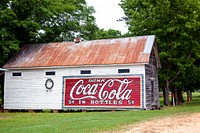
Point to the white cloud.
(107, 14)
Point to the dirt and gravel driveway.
(184, 123)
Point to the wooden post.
(30, 111)
(84, 111)
(55, 111)
(6, 110)
(1, 108)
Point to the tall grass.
(87, 122)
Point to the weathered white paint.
(29, 92)
(143, 70)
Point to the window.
(123, 70)
(85, 71)
(16, 74)
(50, 73)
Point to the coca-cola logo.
(96, 92)
(102, 90)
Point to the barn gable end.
(151, 78)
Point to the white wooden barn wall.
(29, 91)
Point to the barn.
(107, 74)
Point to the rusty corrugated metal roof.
(98, 52)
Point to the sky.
(107, 14)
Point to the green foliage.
(106, 34)
(176, 24)
(40, 21)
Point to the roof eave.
(79, 66)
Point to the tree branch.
(179, 71)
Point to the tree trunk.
(180, 97)
(175, 98)
(175, 95)
(166, 93)
(189, 95)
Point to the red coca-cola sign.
(123, 92)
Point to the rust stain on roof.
(98, 52)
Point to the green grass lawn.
(87, 122)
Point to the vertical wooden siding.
(152, 72)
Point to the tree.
(106, 34)
(176, 24)
(41, 21)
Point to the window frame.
(17, 72)
(49, 75)
(122, 71)
(85, 72)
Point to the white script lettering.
(110, 89)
